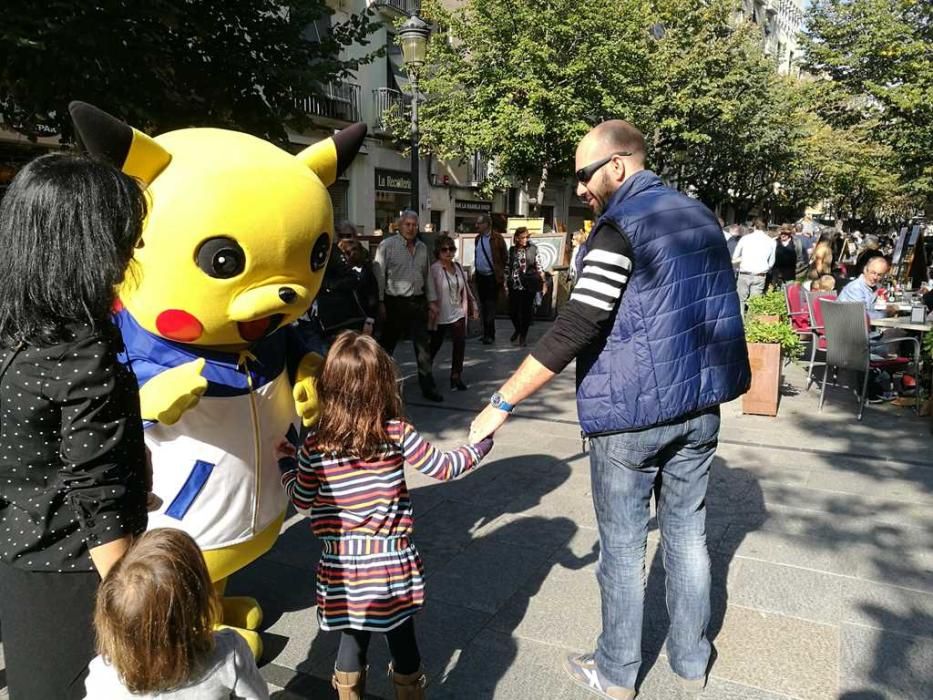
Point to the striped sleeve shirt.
(602, 278)
(344, 495)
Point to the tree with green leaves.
(879, 55)
(165, 64)
(521, 81)
(724, 121)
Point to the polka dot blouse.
(72, 458)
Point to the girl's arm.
(298, 476)
(427, 459)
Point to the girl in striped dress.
(349, 479)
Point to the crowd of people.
(822, 258)
(403, 289)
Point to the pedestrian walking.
(349, 479)
(407, 298)
(156, 637)
(655, 327)
(754, 256)
(525, 279)
(489, 262)
(456, 304)
(72, 459)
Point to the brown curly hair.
(358, 392)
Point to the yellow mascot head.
(238, 231)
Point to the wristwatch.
(497, 401)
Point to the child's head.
(358, 392)
(826, 283)
(156, 611)
(68, 228)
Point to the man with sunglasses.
(653, 323)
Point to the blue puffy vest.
(677, 344)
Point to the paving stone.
(562, 608)
(778, 653)
(892, 666)
(891, 608)
(496, 665)
(810, 595)
(487, 573)
(805, 552)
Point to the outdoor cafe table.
(904, 323)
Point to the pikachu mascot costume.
(233, 251)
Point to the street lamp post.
(413, 36)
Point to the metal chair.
(818, 334)
(847, 345)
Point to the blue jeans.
(673, 461)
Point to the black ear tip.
(101, 134)
(348, 143)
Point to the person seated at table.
(862, 288)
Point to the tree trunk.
(542, 183)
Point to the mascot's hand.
(166, 396)
(305, 391)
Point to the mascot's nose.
(287, 294)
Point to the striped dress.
(370, 575)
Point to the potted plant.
(769, 336)
(769, 307)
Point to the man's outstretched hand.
(486, 423)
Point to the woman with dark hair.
(455, 303)
(349, 296)
(524, 278)
(73, 481)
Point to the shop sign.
(473, 205)
(393, 181)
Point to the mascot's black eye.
(319, 252)
(221, 257)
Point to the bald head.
(606, 157)
(618, 135)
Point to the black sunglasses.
(452, 249)
(584, 175)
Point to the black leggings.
(403, 648)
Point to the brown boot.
(350, 685)
(408, 686)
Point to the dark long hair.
(68, 227)
(358, 392)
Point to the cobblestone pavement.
(820, 531)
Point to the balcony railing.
(405, 6)
(339, 101)
(385, 99)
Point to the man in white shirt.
(754, 256)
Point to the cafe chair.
(848, 346)
(795, 298)
(817, 332)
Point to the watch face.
(495, 400)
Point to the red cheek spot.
(175, 324)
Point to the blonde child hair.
(826, 283)
(156, 612)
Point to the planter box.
(762, 397)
